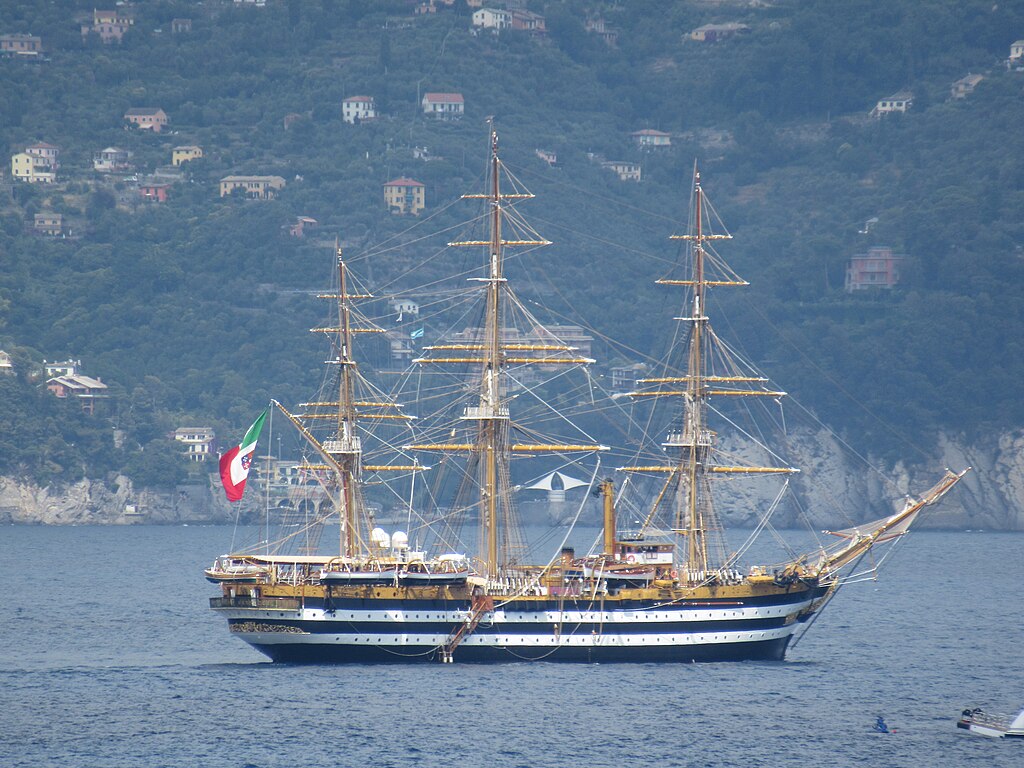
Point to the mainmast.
(492, 445)
(687, 484)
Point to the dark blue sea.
(109, 656)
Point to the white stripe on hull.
(652, 616)
(522, 641)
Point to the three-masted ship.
(667, 592)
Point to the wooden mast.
(342, 450)
(687, 479)
(492, 447)
(493, 417)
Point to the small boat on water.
(996, 726)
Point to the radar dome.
(379, 537)
(399, 540)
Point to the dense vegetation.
(195, 310)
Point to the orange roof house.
(446, 106)
(147, 118)
(405, 196)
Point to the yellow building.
(405, 196)
(256, 187)
(32, 169)
(181, 155)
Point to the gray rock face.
(90, 502)
(835, 490)
(832, 490)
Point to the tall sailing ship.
(667, 591)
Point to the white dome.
(399, 540)
(379, 538)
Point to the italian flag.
(234, 465)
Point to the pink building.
(154, 193)
(878, 268)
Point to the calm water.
(110, 657)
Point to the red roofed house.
(152, 192)
(357, 108)
(446, 106)
(405, 196)
(649, 137)
(878, 268)
(528, 21)
(47, 153)
(148, 118)
(85, 388)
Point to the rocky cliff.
(90, 502)
(832, 490)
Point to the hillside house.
(405, 196)
(255, 187)
(403, 307)
(878, 268)
(32, 169)
(598, 27)
(528, 21)
(445, 106)
(712, 33)
(547, 156)
(900, 102)
(1016, 53)
(494, 19)
(301, 225)
(422, 9)
(48, 223)
(648, 138)
(626, 171)
(355, 109)
(13, 45)
(154, 192)
(625, 377)
(200, 442)
(401, 347)
(85, 388)
(965, 86)
(62, 368)
(146, 118)
(112, 160)
(183, 154)
(6, 365)
(111, 26)
(47, 153)
(181, 26)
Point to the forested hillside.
(196, 310)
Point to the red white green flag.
(234, 464)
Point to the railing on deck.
(264, 603)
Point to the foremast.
(493, 445)
(687, 487)
(342, 449)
